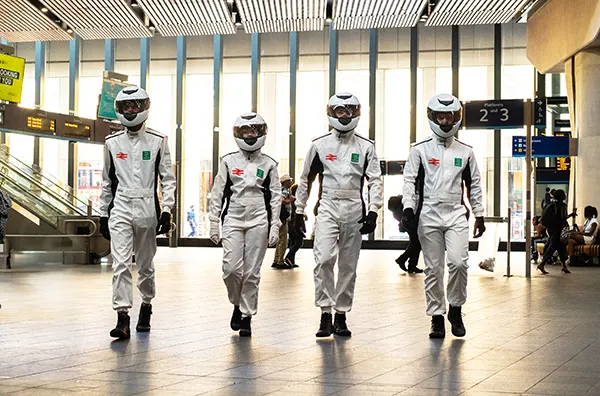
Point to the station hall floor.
(538, 336)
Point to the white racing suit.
(133, 164)
(342, 162)
(438, 171)
(246, 198)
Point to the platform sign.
(539, 112)
(542, 146)
(494, 114)
(558, 123)
(11, 77)
(110, 89)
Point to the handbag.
(565, 233)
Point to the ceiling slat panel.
(372, 14)
(261, 16)
(189, 17)
(22, 22)
(474, 12)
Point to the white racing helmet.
(132, 105)
(343, 111)
(445, 115)
(250, 132)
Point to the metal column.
(255, 70)
(144, 62)
(414, 59)
(294, 55)
(40, 79)
(179, 119)
(218, 75)
(497, 132)
(333, 59)
(74, 67)
(455, 63)
(373, 48)
(109, 54)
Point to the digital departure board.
(77, 129)
(41, 124)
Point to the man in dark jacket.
(413, 251)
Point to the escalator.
(48, 222)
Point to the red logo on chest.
(237, 172)
(330, 157)
(121, 156)
(434, 162)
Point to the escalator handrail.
(89, 235)
(44, 188)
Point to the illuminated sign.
(42, 124)
(1, 117)
(77, 129)
(563, 164)
(11, 77)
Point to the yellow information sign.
(11, 77)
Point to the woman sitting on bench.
(590, 231)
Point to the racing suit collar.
(343, 135)
(250, 154)
(137, 133)
(447, 142)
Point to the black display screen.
(77, 129)
(42, 124)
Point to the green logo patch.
(146, 155)
(260, 173)
(354, 158)
(458, 162)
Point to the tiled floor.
(538, 336)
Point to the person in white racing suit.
(342, 159)
(439, 169)
(246, 199)
(134, 160)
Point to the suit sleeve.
(306, 179)
(275, 187)
(476, 193)
(106, 195)
(373, 173)
(216, 194)
(167, 178)
(411, 171)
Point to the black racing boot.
(438, 330)
(236, 318)
(121, 330)
(245, 330)
(325, 328)
(143, 324)
(455, 318)
(339, 325)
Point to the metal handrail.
(42, 187)
(91, 234)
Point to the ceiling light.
(57, 20)
(44, 9)
(152, 28)
(69, 30)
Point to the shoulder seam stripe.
(321, 137)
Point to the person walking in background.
(286, 210)
(296, 239)
(191, 218)
(413, 250)
(555, 219)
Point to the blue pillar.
(333, 59)
(144, 62)
(109, 54)
(255, 70)
(179, 117)
(40, 79)
(74, 67)
(294, 56)
(217, 75)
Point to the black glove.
(164, 223)
(300, 227)
(370, 222)
(479, 228)
(104, 228)
(409, 220)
